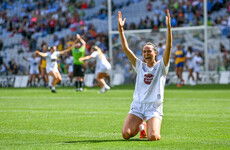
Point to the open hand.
(36, 52)
(168, 19)
(78, 36)
(121, 22)
(81, 59)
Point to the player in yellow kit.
(179, 62)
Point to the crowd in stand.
(184, 13)
(47, 17)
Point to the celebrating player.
(51, 64)
(102, 67)
(43, 67)
(34, 72)
(149, 88)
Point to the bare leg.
(153, 129)
(100, 79)
(71, 77)
(56, 78)
(30, 80)
(37, 76)
(44, 75)
(131, 126)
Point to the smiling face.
(78, 45)
(149, 54)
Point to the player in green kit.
(78, 70)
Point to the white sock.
(53, 88)
(141, 127)
(106, 86)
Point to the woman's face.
(148, 53)
(45, 48)
(53, 49)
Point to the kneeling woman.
(51, 64)
(102, 67)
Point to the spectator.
(13, 67)
(1, 44)
(91, 4)
(149, 6)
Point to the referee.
(77, 52)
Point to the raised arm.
(85, 58)
(132, 58)
(25, 58)
(67, 50)
(168, 47)
(80, 39)
(41, 54)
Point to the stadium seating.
(12, 44)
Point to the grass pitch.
(194, 118)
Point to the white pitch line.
(91, 98)
(61, 111)
(115, 98)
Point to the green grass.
(194, 118)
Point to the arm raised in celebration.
(168, 47)
(132, 58)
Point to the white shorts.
(147, 110)
(34, 71)
(196, 69)
(102, 70)
(190, 65)
(48, 70)
(70, 69)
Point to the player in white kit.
(149, 88)
(34, 71)
(51, 64)
(102, 67)
(69, 66)
(197, 62)
(190, 64)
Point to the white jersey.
(102, 64)
(34, 63)
(197, 61)
(69, 62)
(150, 82)
(51, 61)
(189, 58)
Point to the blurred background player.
(149, 88)
(102, 67)
(197, 62)
(69, 67)
(190, 64)
(44, 74)
(34, 69)
(51, 64)
(77, 52)
(179, 62)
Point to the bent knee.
(154, 137)
(126, 134)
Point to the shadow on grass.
(102, 141)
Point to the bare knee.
(126, 134)
(154, 137)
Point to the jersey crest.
(148, 78)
